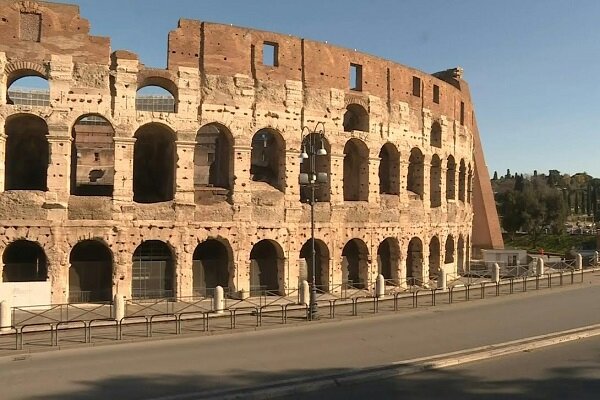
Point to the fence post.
(380, 287)
(442, 281)
(218, 300)
(5, 316)
(496, 273)
(578, 262)
(540, 267)
(304, 293)
(119, 307)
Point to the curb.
(399, 368)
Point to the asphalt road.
(149, 370)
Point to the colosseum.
(110, 188)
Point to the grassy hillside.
(559, 244)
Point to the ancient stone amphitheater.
(108, 187)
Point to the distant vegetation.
(551, 244)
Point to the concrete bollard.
(5, 316)
(119, 307)
(380, 287)
(442, 283)
(578, 262)
(596, 258)
(496, 273)
(219, 300)
(540, 267)
(304, 293)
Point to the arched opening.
(355, 264)
(28, 88)
(24, 261)
(356, 118)
(266, 261)
(461, 255)
(152, 271)
(449, 253)
(153, 164)
(321, 264)
(389, 169)
(311, 144)
(434, 258)
(462, 176)
(90, 274)
(213, 161)
(450, 179)
(436, 135)
(356, 171)
(268, 158)
(92, 157)
(414, 262)
(414, 180)
(470, 184)
(156, 98)
(211, 264)
(435, 181)
(388, 257)
(27, 153)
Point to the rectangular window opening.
(416, 89)
(462, 113)
(436, 94)
(356, 77)
(210, 157)
(270, 54)
(96, 156)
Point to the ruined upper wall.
(34, 31)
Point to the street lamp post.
(311, 148)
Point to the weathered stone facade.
(409, 131)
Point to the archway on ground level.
(356, 118)
(213, 158)
(27, 153)
(267, 158)
(153, 271)
(266, 263)
(153, 164)
(461, 255)
(90, 273)
(24, 261)
(321, 264)
(356, 171)
(211, 265)
(434, 258)
(449, 250)
(355, 264)
(322, 168)
(389, 169)
(435, 182)
(414, 262)
(462, 177)
(388, 257)
(450, 178)
(414, 179)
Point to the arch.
(92, 156)
(356, 118)
(435, 181)
(436, 135)
(156, 93)
(434, 258)
(414, 180)
(355, 264)
(21, 69)
(212, 262)
(266, 267)
(154, 158)
(152, 271)
(213, 159)
(24, 261)
(388, 257)
(322, 168)
(90, 272)
(267, 160)
(462, 176)
(389, 169)
(461, 255)
(28, 88)
(321, 263)
(27, 153)
(449, 250)
(450, 178)
(470, 184)
(414, 262)
(356, 171)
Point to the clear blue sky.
(532, 65)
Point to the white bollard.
(578, 262)
(119, 307)
(596, 258)
(442, 281)
(496, 273)
(5, 316)
(540, 267)
(304, 293)
(380, 287)
(218, 300)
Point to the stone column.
(241, 194)
(59, 166)
(184, 274)
(443, 200)
(374, 180)
(58, 273)
(292, 170)
(403, 174)
(336, 180)
(3, 81)
(426, 182)
(122, 274)
(123, 179)
(2, 155)
(184, 174)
